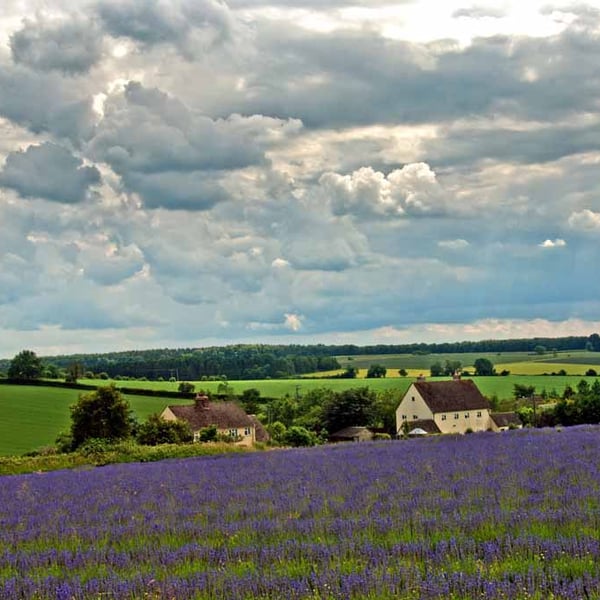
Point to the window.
(478, 413)
(413, 398)
(415, 417)
(196, 436)
(443, 417)
(247, 431)
(233, 432)
(456, 415)
(466, 415)
(404, 417)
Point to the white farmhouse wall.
(168, 415)
(460, 421)
(411, 408)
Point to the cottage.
(443, 407)
(229, 419)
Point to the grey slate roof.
(449, 396)
(223, 415)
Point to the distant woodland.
(259, 361)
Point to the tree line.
(261, 361)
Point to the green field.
(33, 416)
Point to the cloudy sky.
(192, 172)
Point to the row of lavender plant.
(511, 515)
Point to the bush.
(208, 434)
(186, 387)
(156, 430)
(103, 375)
(299, 436)
(382, 436)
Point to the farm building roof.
(426, 425)
(506, 419)
(221, 414)
(352, 433)
(448, 396)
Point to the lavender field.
(511, 515)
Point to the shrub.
(208, 434)
(299, 436)
(186, 387)
(156, 430)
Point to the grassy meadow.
(32, 416)
(488, 515)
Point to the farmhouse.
(229, 419)
(444, 407)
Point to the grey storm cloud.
(71, 46)
(45, 102)
(478, 12)
(48, 171)
(152, 22)
(175, 157)
(463, 145)
(359, 78)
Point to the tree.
(250, 400)
(186, 388)
(277, 431)
(452, 366)
(51, 371)
(356, 406)
(539, 349)
(74, 372)
(376, 372)
(484, 367)
(403, 372)
(520, 390)
(594, 342)
(156, 430)
(102, 414)
(436, 369)
(25, 365)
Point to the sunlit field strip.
(511, 515)
(539, 368)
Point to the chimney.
(421, 377)
(201, 401)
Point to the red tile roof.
(448, 396)
(223, 415)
